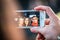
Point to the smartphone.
(30, 18)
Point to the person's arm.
(9, 26)
(52, 30)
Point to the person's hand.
(52, 29)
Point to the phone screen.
(30, 18)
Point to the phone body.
(30, 18)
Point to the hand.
(52, 30)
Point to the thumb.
(37, 30)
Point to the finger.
(37, 37)
(40, 37)
(47, 21)
(48, 10)
(37, 30)
(34, 29)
